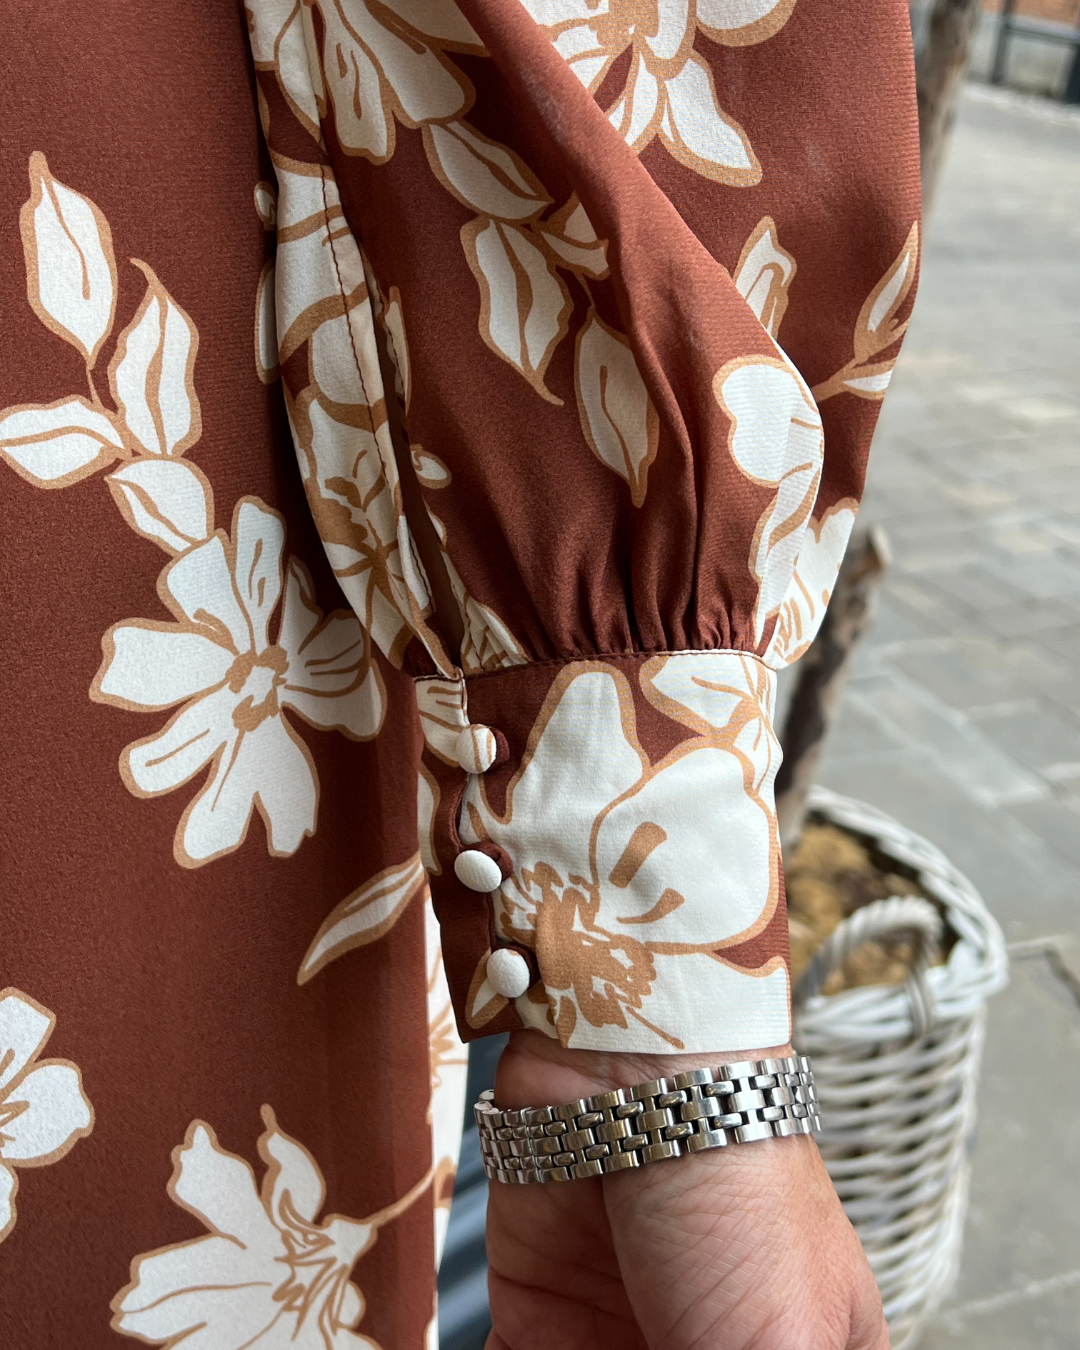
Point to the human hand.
(743, 1248)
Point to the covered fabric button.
(508, 972)
(477, 871)
(476, 748)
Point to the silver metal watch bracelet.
(665, 1118)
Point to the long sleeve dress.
(427, 428)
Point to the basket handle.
(883, 918)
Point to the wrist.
(535, 1070)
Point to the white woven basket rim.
(978, 963)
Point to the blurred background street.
(962, 718)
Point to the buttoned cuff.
(602, 845)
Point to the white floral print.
(787, 531)
(777, 441)
(365, 915)
(56, 444)
(383, 64)
(376, 67)
(622, 867)
(617, 415)
(235, 681)
(803, 606)
(380, 65)
(877, 328)
(669, 89)
(43, 1109)
(764, 275)
(268, 1274)
(339, 420)
(72, 285)
(70, 266)
(218, 659)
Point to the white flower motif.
(777, 441)
(268, 1275)
(383, 64)
(628, 876)
(70, 265)
(669, 88)
(764, 274)
(219, 661)
(877, 329)
(803, 606)
(43, 1109)
(365, 915)
(72, 287)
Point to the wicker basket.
(896, 1068)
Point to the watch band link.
(665, 1118)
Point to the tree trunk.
(939, 75)
(823, 674)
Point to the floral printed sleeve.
(584, 316)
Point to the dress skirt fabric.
(426, 429)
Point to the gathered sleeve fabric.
(584, 312)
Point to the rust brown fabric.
(425, 428)
(172, 984)
(586, 370)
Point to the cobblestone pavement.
(963, 715)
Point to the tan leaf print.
(55, 444)
(382, 67)
(764, 275)
(876, 329)
(70, 268)
(482, 174)
(151, 373)
(524, 305)
(167, 500)
(617, 415)
(777, 441)
(365, 915)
